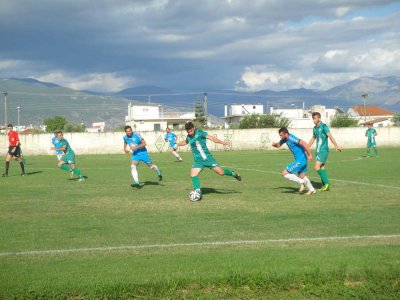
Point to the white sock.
(294, 178)
(155, 168)
(135, 174)
(308, 184)
(176, 154)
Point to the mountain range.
(39, 100)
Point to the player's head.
(10, 127)
(316, 117)
(190, 128)
(59, 135)
(369, 125)
(284, 133)
(128, 130)
(167, 130)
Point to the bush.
(74, 127)
(55, 123)
(263, 121)
(343, 120)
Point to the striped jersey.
(198, 145)
(321, 135)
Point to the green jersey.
(65, 143)
(321, 135)
(370, 133)
(198, 144)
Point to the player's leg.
(8, 158)
(194, 174)
(226, 172)
(307, 182)
(294, 167)
(135, 175)
(368, 150)
(174, 152)
(21, 163)
(320, 168)
(146, 158)
(375, 150)
(64, 166)
(76, 171)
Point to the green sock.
(229, 172)
(376, 151)
(368, 151)
(65, 168)
(324, 176)
(196, 182)
(77, 172)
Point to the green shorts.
(208, 163)
(322, 156)
(68, 158)
(371, 145)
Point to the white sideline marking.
(339, 180)
(199, 244)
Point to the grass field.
(252, 239)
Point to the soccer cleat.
(23, 174)
(4, 175)
(72, 174)
(136, 185)
(159, 177)
(302, 187)
(237, 177)
(325, 188)
(311, 192)
(81, 179)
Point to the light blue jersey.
(134, 140)
(171, 139)
(298, 151)
(55, 142)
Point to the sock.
(196, 182)
(368, 151)
(77, 172)
(308, 184)
(135, 174)
(229, 172)
(376, 151)
(155, 168)
(65, 168)
(294, 178)
(7, 166)
(176, 154)
(324, 176)
(22, 167)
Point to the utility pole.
(18, 115)
(149, 99)
(365, 111)
(205, 104)
(5, 108)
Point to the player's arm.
(278, 144)
(182, 143)
(141, 145)
(311, 142)
(61, 148)
(126, 150)
(334, 142)
(306, 148)
(216, 140)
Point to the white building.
(377, 116)
(235, 112)
(96, 127)
(154, 118)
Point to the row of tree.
(57, 123)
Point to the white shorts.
(59, 156)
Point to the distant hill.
(144, 90)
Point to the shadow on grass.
(33, 173)
(288, 189)
(151, 183)
(317, 185)
(205, 191)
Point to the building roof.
(377, 120)
(371, 111)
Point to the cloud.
(105, 82)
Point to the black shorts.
(16, 152)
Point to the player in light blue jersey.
(302, 154)
(135, 144)
(171, 139)
(55, 142)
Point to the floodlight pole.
(365, 112)
(18, 114)
(5, 108)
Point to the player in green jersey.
(321, 133)
(67, 161)
(371, 134)
(197, 139)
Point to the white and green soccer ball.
(195, 195)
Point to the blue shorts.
(297, 166)
(142, 156)
(172, 144)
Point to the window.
(157, 127)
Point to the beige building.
(375, 115)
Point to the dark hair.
(316, 114)
(10, 125)
(189, 125)
(284, 130)
(127, 127)
(57, 132)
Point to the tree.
(74, 127)
(55, 123)
(343, 120)
(263, 121)
(396, 120)
(200, 118)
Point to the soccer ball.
(195, 195)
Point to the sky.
(199, 45)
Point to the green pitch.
(252, 239)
